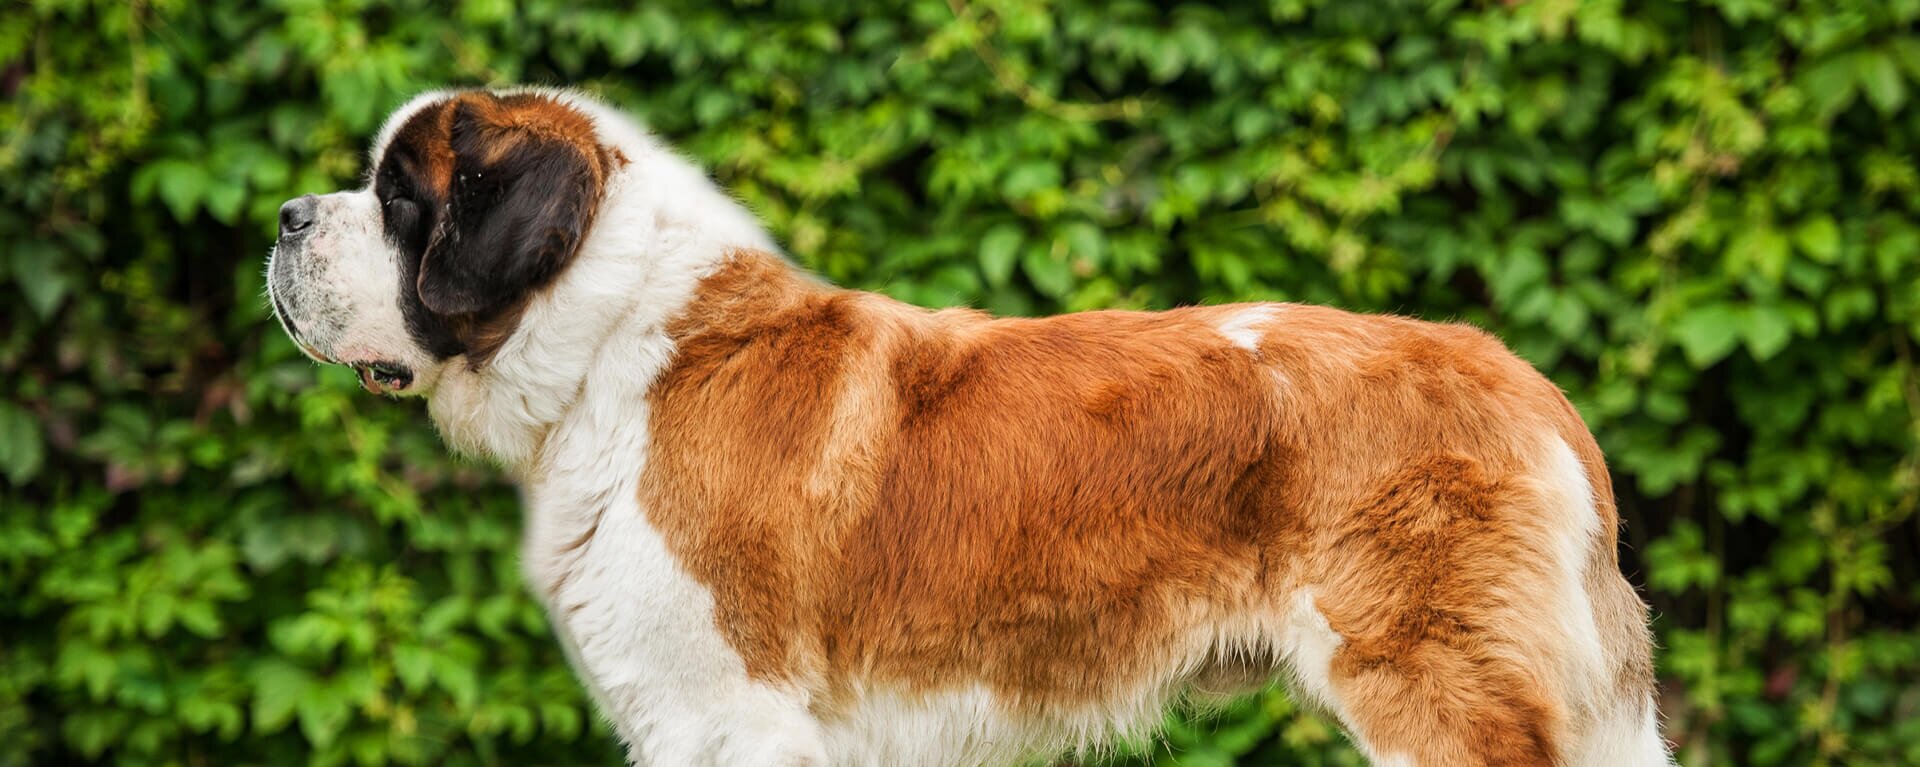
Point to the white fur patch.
(973, 726)
(1308, 643)
(1243, 328)
(1618, 732)
(962, 726)
(1569, 516)
(1626, 736)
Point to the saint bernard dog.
(777, 522)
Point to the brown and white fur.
(780, 523)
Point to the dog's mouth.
(384, 377)
(376, 376)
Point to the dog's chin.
(311, 351)
(377, 375)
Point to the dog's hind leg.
(1474, 615)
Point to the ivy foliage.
(1700, 218)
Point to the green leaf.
(224, 200)
(1766, 331)
(1880, 79)
(1762, 248)
(181, 185)
(458, 679)
(999, 249)
(1085, 243)
(414, 665)
(36, 269)
(1707, 333)
(1819, 238)
(199, 617)
(323, 712)
(1050, 275)
(278, 688)
(1030, 178)
(21, 451)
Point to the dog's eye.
(401, 213)
(402, 208)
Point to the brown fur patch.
(511, 120)
(1060, 508)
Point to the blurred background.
(1698, 217)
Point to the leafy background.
(1698, 217)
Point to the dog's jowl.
(780, 523)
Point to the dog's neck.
(662, 228)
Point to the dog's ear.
(522, 193)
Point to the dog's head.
(475, 201)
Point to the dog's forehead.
(550, 113)
(399, 118)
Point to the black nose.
(297, 214)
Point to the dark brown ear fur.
(526, 179)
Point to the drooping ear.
(524, 186)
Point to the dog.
(775, 522)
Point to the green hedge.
(1698, 217)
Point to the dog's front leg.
(641, 633)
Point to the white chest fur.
(638, 629)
